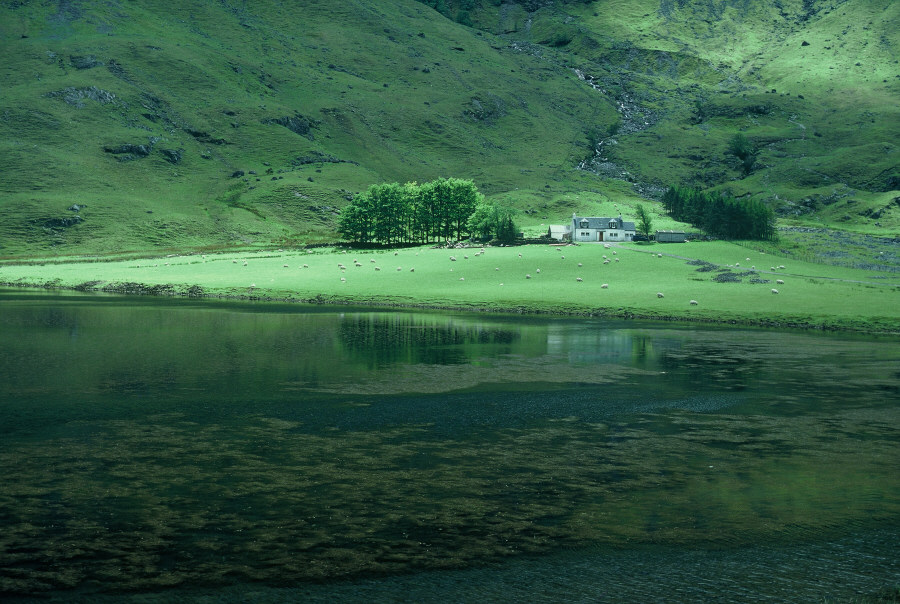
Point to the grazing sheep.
(465, 257)
(305, 266)
(693, 303)
(497, 269)
(377, 268)
(234, 261)
(537, 270)
(748, 259)
(617, 259)
(579, 264)
(737, 263)
(399, 268)
(604, 256)
(615, 252)
(452, 258)
(396, 253)
(372, 260)
(779, 281)
(659, 255)
(343, 279)
(604, 286)
(528, 276)
(659, 295)
(520, 255)
(462, 278)
(412, 270)
(253, 285)
(284, 266)
(562, 257)
(579, 279)
(606, 262)
(774, 291)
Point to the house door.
(599, 235)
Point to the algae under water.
(158, 449)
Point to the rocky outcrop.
(76, 96)
(298, 124)
(130, 151)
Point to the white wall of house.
(601, 229)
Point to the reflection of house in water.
(606, 344)
(591, 344)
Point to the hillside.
(151, 125)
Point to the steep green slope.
(146, 112)
(813, 85)
(201, 124)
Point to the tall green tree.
(645, 222)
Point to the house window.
(612, 224)
(583, 224)
(584, 234)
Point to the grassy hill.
(204, 125)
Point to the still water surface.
(159, 450)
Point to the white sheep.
(412, 270)
(579, 264)
(693, 303)
(579, 279)
(396, 253)
(372, 260)
(465, 257)
(497, 269)
(659, 255)
(305, 266)
(604, 286)
(774, 291)
(606, 262)
(562, 257)
(452, 258)
(659, 295)
(462, 278)
(528, 276)
(234, 261)
(537, 270)
(377, 268)
(284, 266)
(779, 281)
(343, 279)
(617, 259)
(399, 268)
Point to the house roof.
(603, 223)
(559, 228)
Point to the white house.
(601, 229)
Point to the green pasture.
(531, 278)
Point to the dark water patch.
(167, 451)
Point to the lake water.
(172, 450)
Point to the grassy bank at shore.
(714, 282)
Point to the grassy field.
(730, 283)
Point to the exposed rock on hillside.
(76, 96)
(296, 123)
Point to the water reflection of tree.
(378, 340)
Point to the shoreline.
(198, 292)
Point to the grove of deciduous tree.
(392, 213)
